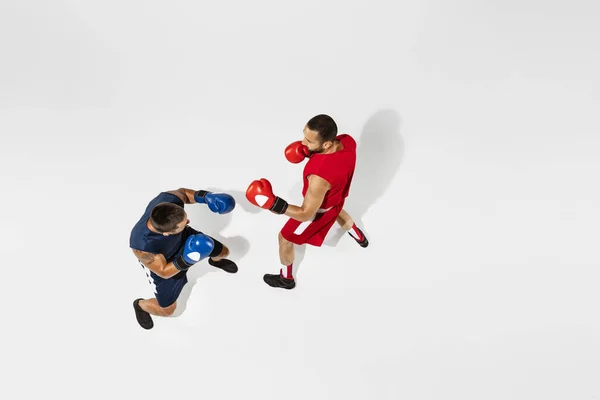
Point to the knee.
(283, 242)
(286, 248)
(168, 311)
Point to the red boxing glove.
(260, 193)
(296, 152)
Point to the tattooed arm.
(156, 263)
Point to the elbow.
(305, 217)
(163, 274)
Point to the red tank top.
(336, 168)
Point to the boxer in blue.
(166, 247)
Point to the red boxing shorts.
(311, 232)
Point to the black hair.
(324, 125)
(165, 217)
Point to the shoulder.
(315, 161)
(318, 182)
(144, 243)
(169, 197)
(320, 165)
(139, 234)
(162, 197)
(347, 140)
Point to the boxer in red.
(327, 178)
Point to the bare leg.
(284, 279)
(151, 306)
(286, 251)
(346, 222)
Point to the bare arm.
(156, 263)
(186, 195)
(317, 189)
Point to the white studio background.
(477, 184)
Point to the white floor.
(477, 184)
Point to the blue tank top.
(144, 239)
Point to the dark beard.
(317, 151)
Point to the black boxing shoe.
(143, 317)
(276, 280)
(362, 243)
(225, 264)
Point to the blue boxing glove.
(221, 203)
(196, 248)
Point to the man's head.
(319, 133)
(168, 218)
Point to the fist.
(296, 152)
(221, 203)
(260, 193)
(196, 248)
